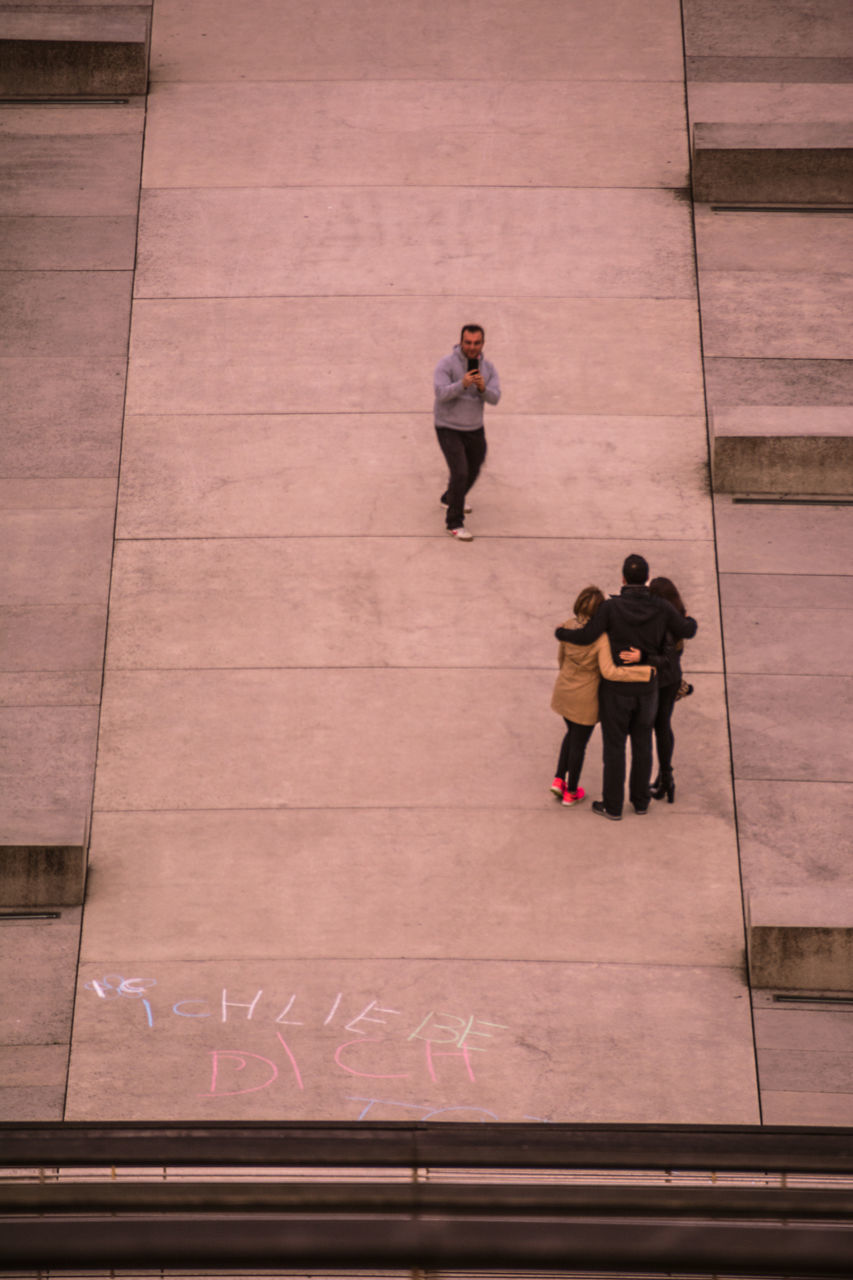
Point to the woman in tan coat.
(575, 695)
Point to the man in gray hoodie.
(464, 382)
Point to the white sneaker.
(461, 534)
(468, 510)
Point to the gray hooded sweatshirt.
(458, 407)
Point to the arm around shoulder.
(588, 632)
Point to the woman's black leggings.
(572, 753)
(664, 737)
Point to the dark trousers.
(572, 752)
(626, 715)
(465, 452)
(664, 737)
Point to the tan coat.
(581, 667)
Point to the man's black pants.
(626, 714)
(465, 452)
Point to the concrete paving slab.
(64, 313)
(764, 314)
(783, 382)
(53, 637)
(810, 423)
(806, 1108)
(34, 1066)
(410, 1040)
(47, 755)
(69, 119)
(273, 739)
(309, 884)
(791, 69)
(771, 591)
(785, 641)
(539, 243)
(794, 835)
(545, 476)
(266, 40)
(43, 828)
(767, 104)
(762, 538)
(35, 1103)
(38, 966)
(66, 175)
(788, 1027)
(794, 728)
(49, 688)
(806, 1070)
(767, 28)
(112, 22)
(786, 242)
(67, 244)
(30, 494)
(367, 602)
(332, 133)
(63, 416)
(61, 556)
(273, 355)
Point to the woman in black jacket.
(669, 682)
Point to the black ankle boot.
(663, 785)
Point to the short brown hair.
(589, 602)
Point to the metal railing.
(640, 1199)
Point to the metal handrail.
(397, 1144)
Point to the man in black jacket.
(633, 620)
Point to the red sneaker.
(573, 797)
(558, 787)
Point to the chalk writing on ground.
(300, 1043)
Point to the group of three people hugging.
(620, 662)
(620, 659)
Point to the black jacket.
(633, 619)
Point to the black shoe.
(663, 785)
(598, 807)
(640, 811)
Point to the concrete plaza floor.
(326, 876)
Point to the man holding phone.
(464, 382)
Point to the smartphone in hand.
(473, 364)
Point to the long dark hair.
(667, 590)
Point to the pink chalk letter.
(240, 1059)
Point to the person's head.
(589, 602)
(471, 339)
(667, 590)
(635, 571)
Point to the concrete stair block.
(796, 449)
(43, 857)
(36, 875)
(802, 941)
(93, 51)
(779, 164)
